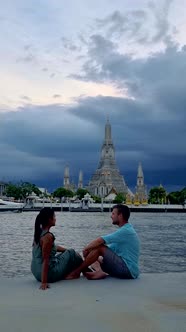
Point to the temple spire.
(66, 181)
(140, 176)
(80, 182)
(108, 135)
(141, 191)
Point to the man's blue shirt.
(125, 243)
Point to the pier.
(106, 207)
(152, 303)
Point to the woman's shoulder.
(47, 236)
(47, 233)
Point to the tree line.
(157, 195)
(22, 190)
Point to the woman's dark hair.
(42, 220)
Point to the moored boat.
(10, 206)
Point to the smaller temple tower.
(2, 188)
(141, 191)
(66, 181)
(80, 181)
(67, 184)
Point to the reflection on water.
(163, 247)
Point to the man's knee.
(102, 250)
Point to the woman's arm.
(60, 249)
(46, 245)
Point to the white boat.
(10, 206)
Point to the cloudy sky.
(67, 65)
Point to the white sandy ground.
(152, 303)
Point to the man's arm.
(118, 236)
(93, 245)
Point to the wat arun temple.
(107, 178)
(107, 175)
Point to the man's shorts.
(115, 265)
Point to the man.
(115, 254)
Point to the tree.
(173, 197)
(120, 198)
(177, 197)
(157, 195)
(96, 199)
(21, 190)
(63, 192)
(183, 196)
(13, 191)
(37, 191)
(81, 193)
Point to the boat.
(10, 206)
(90, 209)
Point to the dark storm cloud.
(140, 76)
(163, 28)
(41, 140)
(147, 26)
(18, 165)
(50, 124)
(153, 118)
(158, 80)
(147, 126)
(118, 24)
(138, 128)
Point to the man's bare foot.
(96, 266)
(96, 275)
(72, 276)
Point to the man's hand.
(44, 286)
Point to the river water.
(162, 236)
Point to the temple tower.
(67, 184)
(107, 175)
(80, 181)
(141, 191)
(66, 181)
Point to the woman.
(47, 266)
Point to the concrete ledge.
(152, 303)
